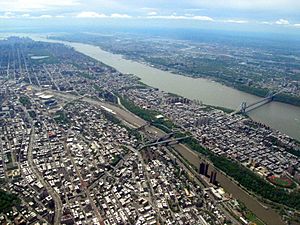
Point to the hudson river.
(280, 116)
(283, 117)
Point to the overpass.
(170, 141)
(142, 127)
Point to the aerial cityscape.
(149, 113)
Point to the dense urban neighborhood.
(82, 143)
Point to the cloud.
(153, 13)
(45, 17)
(31, 5)
(10, 15)
(26, 15)
(282, 22)
(266, 22)
(175, 17)
(235, 21)
(204, 18)
(90, 15)
(266, 5)
(121, 16)
(7, 15)
(194, 10)
(148, 8)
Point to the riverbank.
(256, 91)
(279, 116)
(221, 164)
(253, 90)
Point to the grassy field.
(253, 219)
(281, 181)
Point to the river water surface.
(280, 116)
(283, 117)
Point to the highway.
(196, 177)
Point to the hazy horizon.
(267, 17)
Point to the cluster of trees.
(115, 160)
(249, 179)
(25, 101)
(32, 114)
(108, 96)
(60, 117)
(293, 151)
(256, 184)
(293, 100)
(252, 90)
(7, 201)
(148, 115)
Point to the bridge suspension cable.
(244, 107)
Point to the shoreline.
(208, 78)
(260, 118)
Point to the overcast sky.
(276, 13)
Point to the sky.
(247, 14)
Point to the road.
(131, 119)
(50, 190)
(199, 181)
(39, 176)
(83, 185)
(268, 215)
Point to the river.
(283, 117)
(280, 116)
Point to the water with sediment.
(280, 116)
(283, 117)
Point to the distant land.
(254, 64)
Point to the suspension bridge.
(244, 107)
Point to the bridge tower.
(243, 107)
(270, 95)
